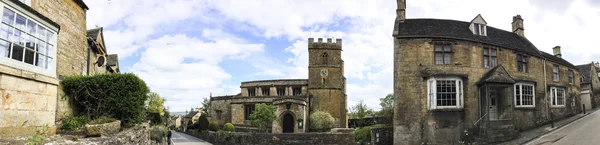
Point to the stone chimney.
(401, 10)
(517, 25)
(556, 51)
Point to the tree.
(262, 116)
(202, 123)
(205, 105)
(155, 103)
(321, 121)
(387, 108)
(360, 111)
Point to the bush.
(321, 121)
(158, 132)
(102, 120)
(363, 134)
(73, 122)
(202, 123)
(213, 126)
(120, 96)
(228, 127)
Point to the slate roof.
(584, 70)
(94, 33)
(496, 75)
(453, 29)
(191, 114)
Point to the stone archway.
(288, 123)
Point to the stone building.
(192, 116)
(590, 84)
(296, 99)
(98, 59)
(451, 76)
(40, 41)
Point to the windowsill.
(448, 110)
(525, 108)
(557, 107)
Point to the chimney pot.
(401, 10)
(556, 51)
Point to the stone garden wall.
(236, 138)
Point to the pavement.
(179, 138)
(579, 125)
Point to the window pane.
(31, 27)
(17, 53)
(6, 32)
(41, 32)
(447, 58)
(438, 48)
(447, 48)
(41, 60)
(50, 38)
(486, 61)
(493, 52)
(486, 51)
(439, 58)
(29, 56)
(8, 16)
(520, 66)
(20, 22)
(476, 28)
(518, 94)
(41, 48)
(493, 61)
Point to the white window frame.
(553, 96)
(520, 85)
(432, 90)
(51, 66)
(27, 2)
(555, 73)
(481, 28)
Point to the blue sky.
(187, 49)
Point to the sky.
(186, 50)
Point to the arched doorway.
(288, 123)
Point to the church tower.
(326, 81)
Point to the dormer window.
(479, 29)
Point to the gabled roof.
(94, 33)
(459, 30)
(191, 114)
(585, 71)
(496, 75)
(480, 17)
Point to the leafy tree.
(360, 111)
(263, 115)
(202, 123)
(155, 103)
(387, 108)
(205, 105)
(321, 121)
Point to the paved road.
(585, 131)
(179, 138)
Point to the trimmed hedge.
(202, 123)
(228, 127)
(321, 121)
(120, 96)
(213, 126)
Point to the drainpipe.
(88, 59)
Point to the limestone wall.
(414, 63)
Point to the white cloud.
(185, 69)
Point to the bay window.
(445, 93)
(524, 95)
(25, 43)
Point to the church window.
(324, 57)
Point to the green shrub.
(213, 126)
(73, 122)
(363, 134)
(102, 120)
(228, 127)
(120, 96)
(321, 121)
(202, 123)
(158, 132)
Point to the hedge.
(120, 96)
(228, 127)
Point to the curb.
(560, 126)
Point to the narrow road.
(585, 131)
(179, 138)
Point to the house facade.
(295, 99)
(40, 42)
(590, 85)
(453, 76)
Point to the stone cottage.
(192, 116)
(98, 59)
(590, 84)
(40, 41)
(296, 99)
(452, 76)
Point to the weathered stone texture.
(235, 138)
(224, 107)
(103, 129)
(298, 110)
(414, 63)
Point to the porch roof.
(496, 75)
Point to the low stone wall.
(236, 138)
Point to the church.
(295, 99)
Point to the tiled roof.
(191, 114)
(584, 70)
(453, 29)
